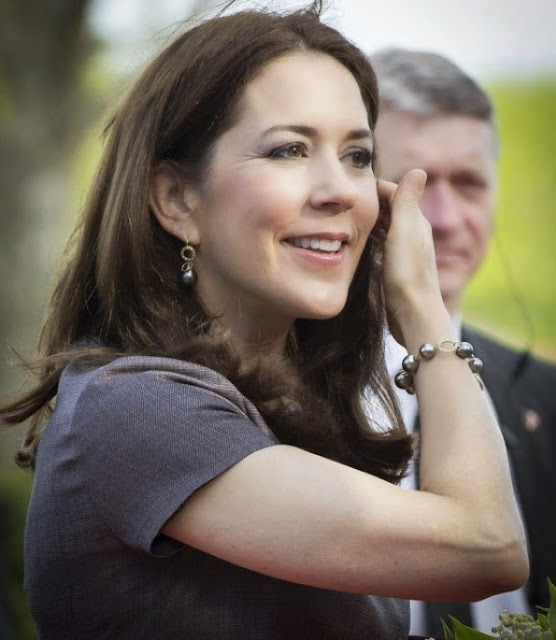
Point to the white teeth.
(329, 246)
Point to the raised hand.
(410, 275)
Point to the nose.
(440, 206)
(332, 189)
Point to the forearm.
(463, 455)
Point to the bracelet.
(404, 378)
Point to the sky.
(488, 38)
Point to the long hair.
(120, 289)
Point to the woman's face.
(289, 199)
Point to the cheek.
(480, 224)
(255, 199)
(371, 213)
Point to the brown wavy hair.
(120, 293)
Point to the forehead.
(436, 143)
(304, 86)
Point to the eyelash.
(281, 152)
(367, 157)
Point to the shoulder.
(136, 372)
(518, 363)
(140, 375)
(487, 344)
(522, 387)
(139, 435)
(152, 386)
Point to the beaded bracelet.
(404, 378)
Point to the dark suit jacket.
(523, 390)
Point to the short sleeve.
(154, 430)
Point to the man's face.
(459, 155)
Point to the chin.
(323, 312)
(316, 302)
(450, 289)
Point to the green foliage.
(15, 490)
(462, 632)
(513, 626)
(552, 609)
(522, 256)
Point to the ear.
(173, 203)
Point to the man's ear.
(173, 203)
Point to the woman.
(208, 471)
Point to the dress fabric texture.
(127, 444)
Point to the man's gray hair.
(428, 84)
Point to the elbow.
(505, 567)
(515, 570)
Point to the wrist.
(424, 319)
(405, 378)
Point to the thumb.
(408, 194)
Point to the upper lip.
(443, 249)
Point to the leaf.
(448, 633)
(543, 621)
(463, 632)
(552, 610)
(547, 622)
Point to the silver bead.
(403, 380)
(465, 350)
(410, 363)
(475, 364)
(427, 350)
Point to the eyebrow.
(311, 132)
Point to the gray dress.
(128, 443)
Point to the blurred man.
(434, 117)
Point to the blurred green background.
(514, 293)
(58, 81)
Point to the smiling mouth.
(323, 245)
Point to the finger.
(410, 188)
(409, 191)
(385, 190)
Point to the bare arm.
(296, 516)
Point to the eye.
(291, 150)
(469, 182)
(361, 158)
